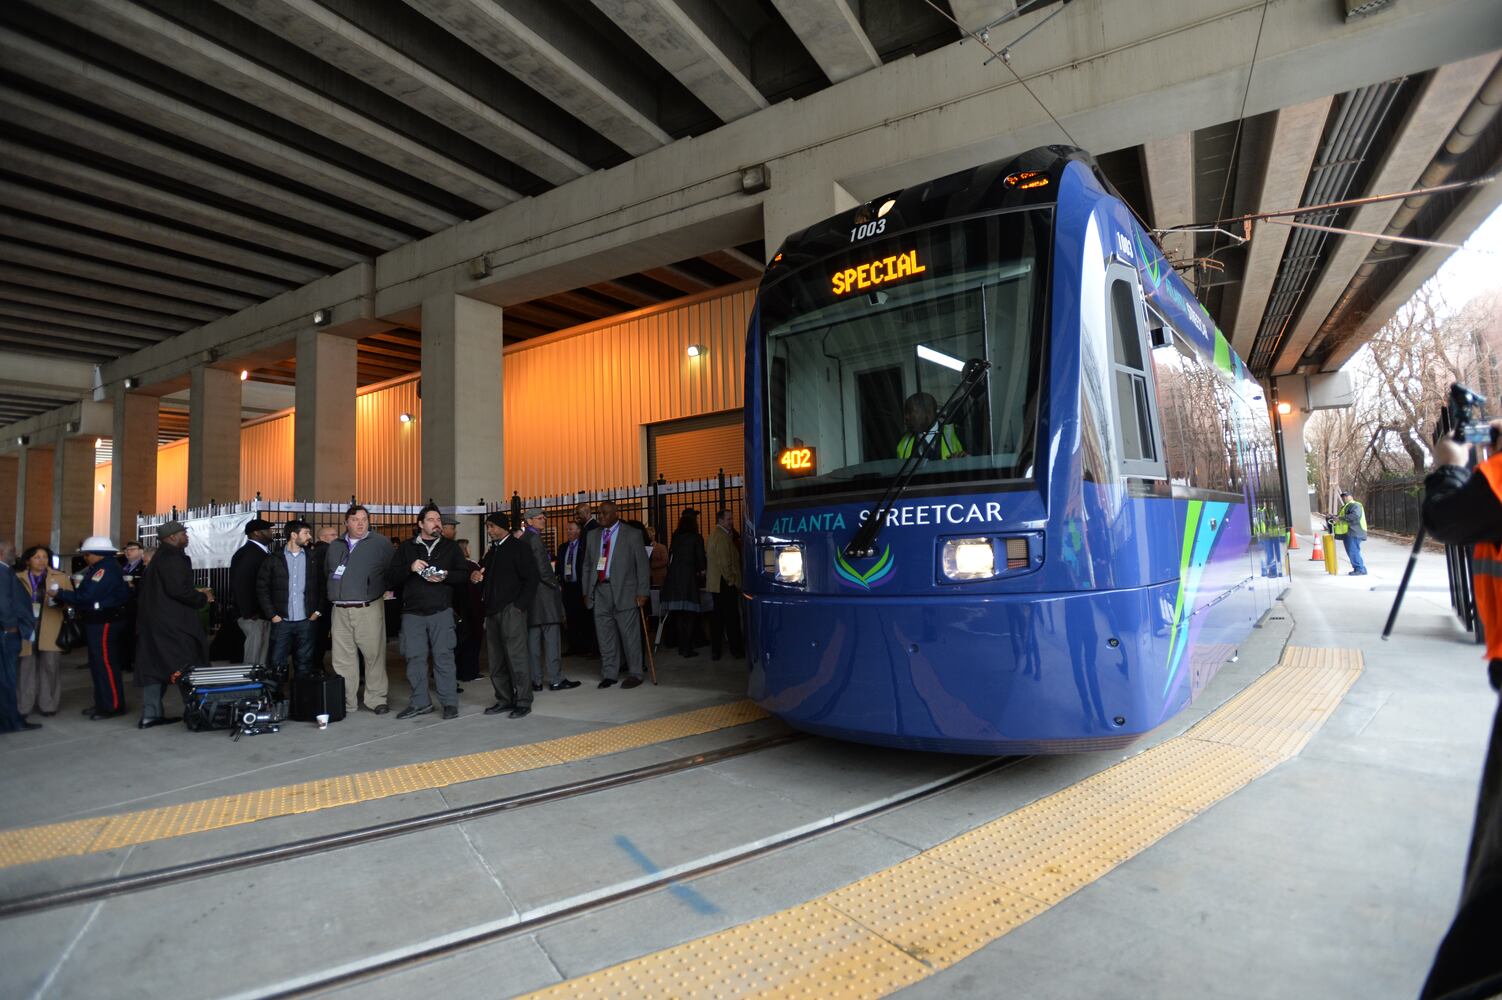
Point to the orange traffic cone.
(1317, 555)
(1293, 542)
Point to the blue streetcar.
(1008, 487)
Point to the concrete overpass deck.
(1299, 832)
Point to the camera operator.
(1465, 508)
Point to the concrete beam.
(129, 304)
(833, 35)
(1472, 212)
(78, 326)
(541, 44)
(1169, 166)
(105, 186)
(84, 418)
(113, 275)
(30, 345)
(1434, 113)
(1295, 141)
(694, 41)
(796, 207)
(109, 345)
(940, 112)
(46, 118)
(342, 43)
(78, 213)
(65, 381)
(976, 14)
(55, 307)
(205, 60)
(67, 73)
(263, 334)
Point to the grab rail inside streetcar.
(863, 545)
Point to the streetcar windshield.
(864, 348)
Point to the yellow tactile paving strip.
(903, 924)
(103, 833)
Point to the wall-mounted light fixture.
(1285, 408)
(71, 427)
(755, 179)
(99, 442)
(405, 418)
(131, 382)
(697, 350)
(23, 440)
(244, 375)
(479, 267)
(102, 487)
(323, 317)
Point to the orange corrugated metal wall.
(576, 405)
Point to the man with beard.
(169, 636)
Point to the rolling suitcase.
(313, 696)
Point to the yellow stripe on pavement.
(103, 833)
(905, 923)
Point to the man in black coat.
(244, 570)
(581, 622)
(290, 591)
(509, 574)
(428, 570)
(169, 635)
(578, 628)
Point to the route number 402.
(869, 229)
(797, 461)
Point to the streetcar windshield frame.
(861, 347)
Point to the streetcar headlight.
(790, 565)
(969, 559)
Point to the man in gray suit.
(617, 580)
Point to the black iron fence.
(1393, 505)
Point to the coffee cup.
(323, 720)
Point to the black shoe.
(451, 711)
(381, 709)
(458, 689)
(96, 715)
(412, 711)
(631, 682)
(689, 654)
(25, 725)
(47, 715)
(607, 682)
(563, 685)
(536, 686)
(520, 712)
(88, 710)
(153, 723)
(499, 707)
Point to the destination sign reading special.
(877, 272)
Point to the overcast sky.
(1477, 268)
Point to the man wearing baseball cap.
(100, 600)
(244, 571)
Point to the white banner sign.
(212, 541)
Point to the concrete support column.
(34, 497)
(324, 428)
(133, 471)
(10, 472)
(799, 204)
(213, 437)
(1293, 391)
(72, 494)
(461, 400)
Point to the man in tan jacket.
(723, 580)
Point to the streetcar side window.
(1131, 385)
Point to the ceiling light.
(1285, 408)
(405, 418)
(323, 317)
(244, 374)
(697, 350)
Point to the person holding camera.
(428, 571)
(1465, 508)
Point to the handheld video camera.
(1460, 418)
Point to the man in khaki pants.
(356, 565)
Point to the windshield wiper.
(863, 545)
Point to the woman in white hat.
(100, 600)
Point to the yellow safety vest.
(949, 444)
(1341, 527)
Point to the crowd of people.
(526, 607)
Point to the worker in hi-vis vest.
(1350, 528)
(920, 412)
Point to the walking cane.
(647, 636)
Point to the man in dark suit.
(244, 571)
(509, 575)
(617, 581)
(582, 625)
(578, 627)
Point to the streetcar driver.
(920, 412)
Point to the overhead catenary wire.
(1225, 189)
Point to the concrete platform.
(1334, 874)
